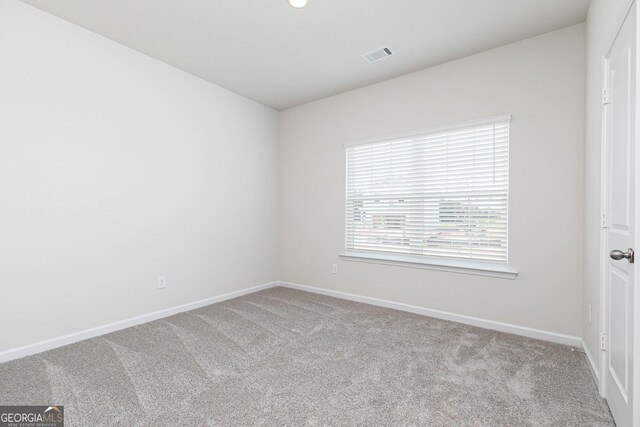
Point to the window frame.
(466, 266)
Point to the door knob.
(618, 255)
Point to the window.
(440, 194)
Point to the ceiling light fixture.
(298, 4)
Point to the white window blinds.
(439, 193)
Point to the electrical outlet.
(334, 269)
(162, 282)
(589, 311)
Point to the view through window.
(436, 194)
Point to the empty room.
(319, 212)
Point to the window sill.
(454, 266)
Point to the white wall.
(539, 81)
(115, 169)
(599, 27)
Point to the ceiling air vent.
(377, 55)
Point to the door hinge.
(603, 342)
(605, 96)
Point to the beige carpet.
(290, 358)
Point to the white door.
(619, 204)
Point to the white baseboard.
(467, 320)
(127, 323)
(592, 363)
(50, 344)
